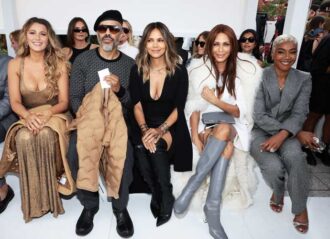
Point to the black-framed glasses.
(201, 43)
(249, 39)
(112, 28)
(76, 30)
(126, 30)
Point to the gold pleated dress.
(39, 160)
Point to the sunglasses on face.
(112, 29)
(249, 39)
(125, 30)
(201, 43)
(76, 30)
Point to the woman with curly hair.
(158, 88)
(35, 146)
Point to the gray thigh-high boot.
(213, 200)
(209, 157)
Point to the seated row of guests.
(78, 39)
(248, 43)
(155, 91)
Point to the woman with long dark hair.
(248, 43)
(214, 86)
(77, 40)
(158, 88)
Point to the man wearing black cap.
(84, 76)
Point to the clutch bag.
(212, 118)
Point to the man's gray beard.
(107, 48)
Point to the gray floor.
(320, 184)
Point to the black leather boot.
(4, 203)
(144, 165)
(85, 222)
(161, 167)
(324, 156)
(311, 160)
(154, 206)
(124, 223)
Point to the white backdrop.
(184, 17)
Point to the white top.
(242, 139)
(128, 49)
(248, 77)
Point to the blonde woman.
(126, 45)
(35, 146)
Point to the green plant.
(274, 8)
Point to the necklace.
(158, 70)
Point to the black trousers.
(155, 170)
(91, 199)
(2, 133)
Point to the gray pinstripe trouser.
(289, 159)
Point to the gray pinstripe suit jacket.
(275, 110)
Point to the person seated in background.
(163, 136)
(181, 52)
(248, 43)
(214, 86)
(77, 39)
(315, 31)
(36, 145)
(198, 49)
(320, 98)
(126, 45)
(313, 11)
(14, 38)
(281, 107)
(324, 9)
(7, 117)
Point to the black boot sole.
(4, 203)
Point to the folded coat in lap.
(101, 136)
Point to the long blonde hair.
(130, 34)
(171, 57)
(54, 58)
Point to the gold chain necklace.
(158, 70)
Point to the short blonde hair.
(282, 39)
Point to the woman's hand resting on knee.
(273, 143)
(33, 123)
(150, 138)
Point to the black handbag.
(212, 118)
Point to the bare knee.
(222, 131)
(229, 150)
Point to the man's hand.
(113, 81)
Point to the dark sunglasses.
(80, 30)
(125, 30)
(249, 39)
(112, 29)
(201, 43)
